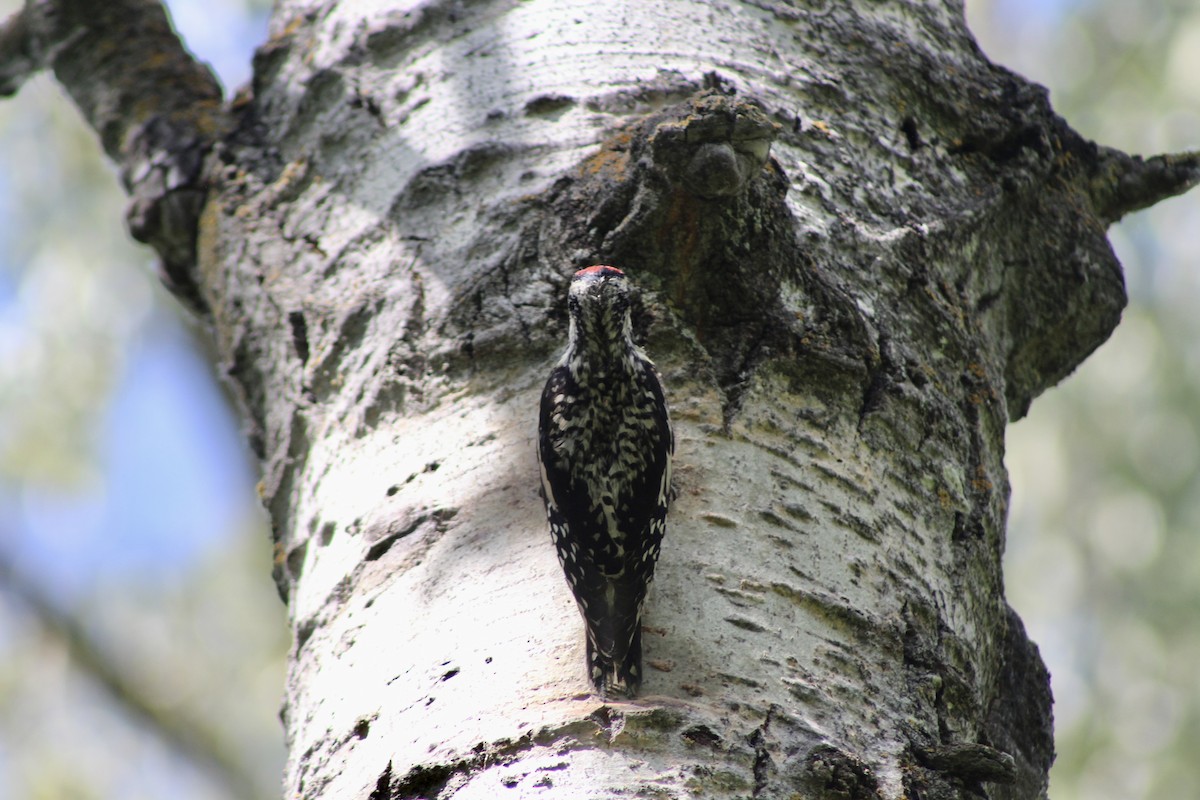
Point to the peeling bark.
(861, 249)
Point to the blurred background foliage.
(141, 640)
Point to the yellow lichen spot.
(981, 483)
(294, 24)
(944, 499)
(608, 160)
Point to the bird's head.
(599, 302)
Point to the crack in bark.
(394, 532)
(763, 763)
(969, 761)
(383, 785)
(299, 328)
(425, 781)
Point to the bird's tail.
(615, 670)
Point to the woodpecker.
(605, 447)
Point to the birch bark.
(861, 249)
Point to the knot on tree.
(689, 200)
(717, 148)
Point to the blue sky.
(171, 479)
(174, 475)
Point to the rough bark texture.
(844, 328)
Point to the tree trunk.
(860, 249)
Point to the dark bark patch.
(745, 624)
(304, 632)
(764, 765)
(361, 728)
(419, 782)
(771, 518)
(909, 127)
(970, 762)
(702, 736)
(452, 176)
(324, 91)
(299, 328)
(377, 550)
(549, 105)
(383, 785)
(295, 560)
(1019, 718)
(839, 775)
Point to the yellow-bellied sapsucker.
(605, 446)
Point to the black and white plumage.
(605, 446)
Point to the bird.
(605, 448)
